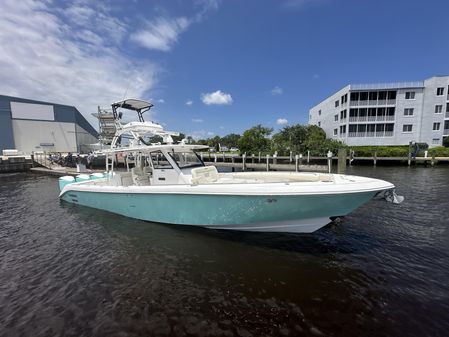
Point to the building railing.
(372, 134)
(380, 86)
(371, 118)
(373, 102)
(446, 132)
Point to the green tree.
(231, 140)
(214, 142)
(290, 138)
(255, 140)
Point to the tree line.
(296, 138)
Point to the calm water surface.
(67, 270)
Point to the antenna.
(126, 91)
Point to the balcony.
(373, 134)
(373, 102)
(371, 118)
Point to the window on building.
(319, 123)
(389, 127)
(343, 114)
(373, 95)
(407, 127)
(438, 109)
(354, 96)
(335, 132)
(440, 91)
(344, 98)
(409, 95)
(392, 95)
(337, 103)
(447, 107)
(319, 112)
(364, 96)
(408, 111)
(336, 117)
(436, 126)
(435, 141)
(380, 127)
(382, 95)
(342, 129)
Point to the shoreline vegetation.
(299, 139)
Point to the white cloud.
(161, 34)
(189, 102)
(47, 56)
(201, 134)
(281, 121)
(221, 127)
(276, 91)
(197, 120)
(161, 100)
(218, 97)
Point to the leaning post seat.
(139, 176)
(204, 175)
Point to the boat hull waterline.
(292, 213)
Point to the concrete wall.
(427, 133)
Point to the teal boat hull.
(280, 213)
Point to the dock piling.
(268, 162)
(341, 161)
(329, 160)
(244, 161)
(296, 163)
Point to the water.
(66, 270)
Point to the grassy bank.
(396, 151)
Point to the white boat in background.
(169, 183)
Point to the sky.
(214, 67)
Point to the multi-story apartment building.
(387, 114)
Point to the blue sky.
(238, 63)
